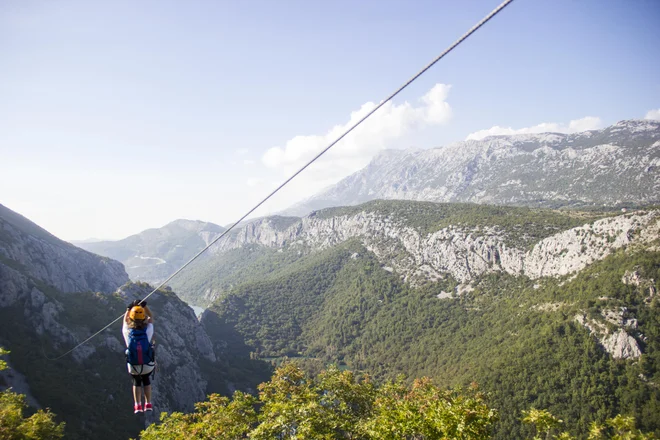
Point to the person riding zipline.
(138, 331)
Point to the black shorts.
(140, 380)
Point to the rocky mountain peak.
(637, 125)
(618, 165)
(194, 226)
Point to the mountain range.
(154, 254)
(543, 307)
(616, 166)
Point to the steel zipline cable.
(472, 30)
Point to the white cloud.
(241, 152)
(254, 181)
(389, 123)
(387, 128)
(653, 114)
(248, 162)
(584, 124)
(576, 125)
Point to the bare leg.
(137, 394)
(147, 393)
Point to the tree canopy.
(14, 425)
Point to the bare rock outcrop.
(462, 252)
(619, 344)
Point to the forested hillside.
(154, 254)
(584, 345)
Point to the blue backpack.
(140, 351)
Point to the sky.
(116, 117)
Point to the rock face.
(619, 344)
(32, 261)
(40, 255)
(462, 252)
(616, 165)
(622, 346)
(573, 250)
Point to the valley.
(545, 300)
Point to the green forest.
(333, 308)
(334, 404)
(341, 405)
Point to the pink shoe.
(138, 408)
(148, 407)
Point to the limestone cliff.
(44, 257)
(462, 252)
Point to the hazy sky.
(119, 116)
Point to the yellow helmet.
(137, 313)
